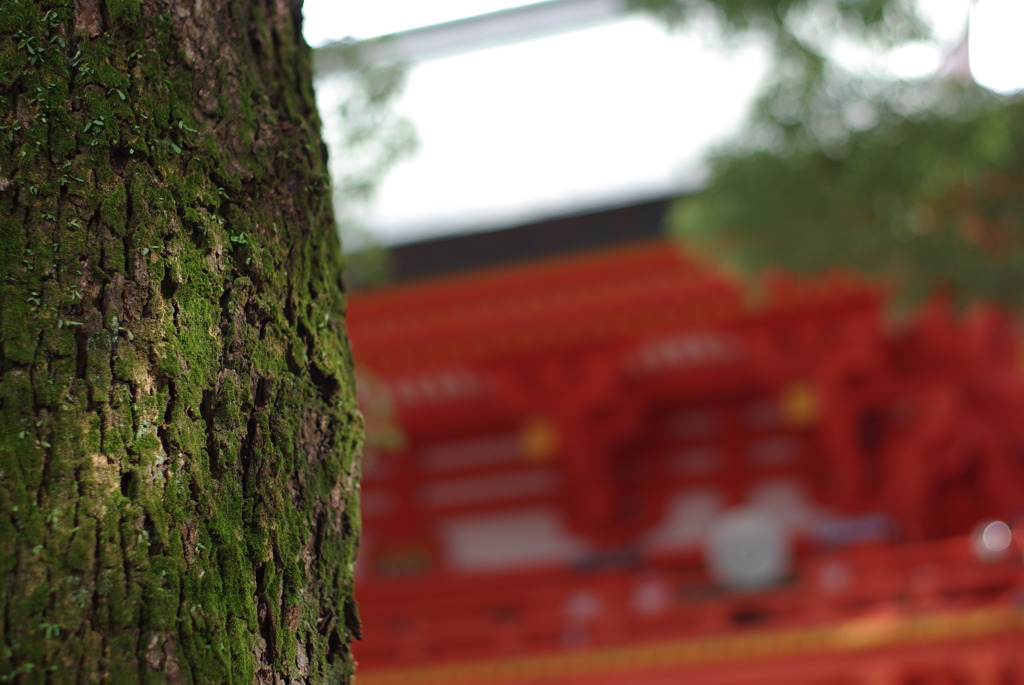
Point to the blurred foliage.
(933, 201)
(802, 38)
(920, 183)
(373, 137)
(759, 14)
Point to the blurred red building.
(619, 466)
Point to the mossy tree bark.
(178, 429)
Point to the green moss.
(125, 363)
(146, 444)
(19, 340)
(97, 365)
(113, 202)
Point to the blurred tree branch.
(375, 137)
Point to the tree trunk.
(178, 427)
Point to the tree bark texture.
(178, 427)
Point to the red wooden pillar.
(580, 396)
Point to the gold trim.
(850, 636)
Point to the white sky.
(998, 24)
(554, 123)
(561, 122)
